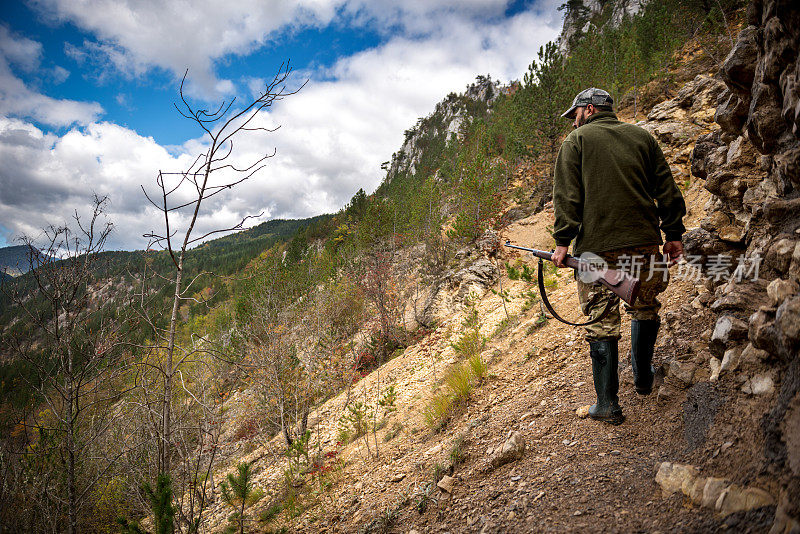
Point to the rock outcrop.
(446, 122)
(751, 164)
(715, 493)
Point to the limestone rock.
(791, 434)
(779, 255)
(765, 123)
(754, 197)
(712, 490)
(488, 243)
(446, 484)
(750, 354)
(672, 477)
(761, 384)
(728, 329)
(699, 241)
(784, 523)
(794, 265)
(583, 411)
(704, 147)
(727, 185)
(763, 334)
(735, 296)
(739, 67)
(715, 366)
(777, 210)
(511, 450)
(664, 393)
(693, 488)
(779, 290)
(694, 97)
(673, 133)
(682, 372)
(738, 499)
(731, 233)
(787, 165)
(730, 360)
(731, 114)
(481, 274)
(787, 320)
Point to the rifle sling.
(611, 303)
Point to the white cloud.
(59, 74)
(45, 178)
(20, 51)
(334, 134)
(17, 99)
(136, 35)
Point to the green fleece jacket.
(612, 187)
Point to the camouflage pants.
(653, 276)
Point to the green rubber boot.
(643, 340)
(605, 373)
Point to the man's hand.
(673, 249)
(560, 254)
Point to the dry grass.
(478, 367)
(437, 411)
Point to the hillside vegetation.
(275, 344)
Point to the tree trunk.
(241, 513)
(166, 408)
(71, 494)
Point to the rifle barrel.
(536, 252)
(569, 261)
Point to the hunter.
(614, 194)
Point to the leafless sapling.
(179, 198)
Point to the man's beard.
(580, 119)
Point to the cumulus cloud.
(17, 99)
(135, 36)
(20, 51)
(334, 134)
(46, 178)
(339, 129)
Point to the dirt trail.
(576, 474)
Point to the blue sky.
(87, 86)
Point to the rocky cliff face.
(442, 125)
(751, 164)
(581, 14)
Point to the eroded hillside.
(714, 448)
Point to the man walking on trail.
(614, 194)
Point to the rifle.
(623, 285)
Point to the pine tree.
(238, 493)
(161, 506)
(550, 95)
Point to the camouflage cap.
(594, 96)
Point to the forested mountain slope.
(15, 260)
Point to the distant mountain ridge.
(15, 260)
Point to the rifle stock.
(623, 285)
